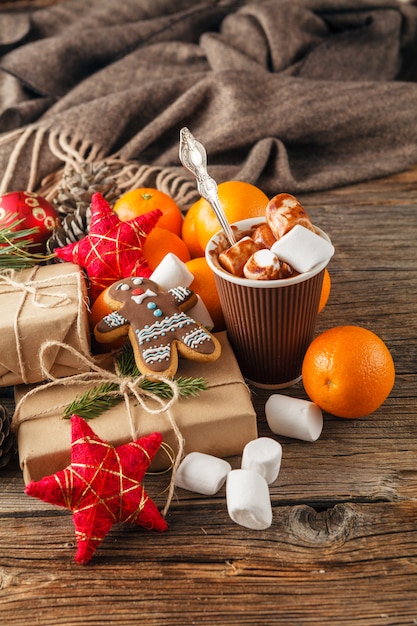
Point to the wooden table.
(342, 548)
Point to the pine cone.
(78, 185)
(7, 440)
(73, 227)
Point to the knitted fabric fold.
(293, 95)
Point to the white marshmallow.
(202, 473)
(262, 265)
(248, 500)
(294, 417)
(263, 455)
(172, 272)
(199, 312)
(302, 249)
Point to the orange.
(98, 311)
(348, 371)
(144, 199)
(189, 231)
(159, 242)
(325, 290)
(205, 286)
(239, 200)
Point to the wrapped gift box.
(39, 304)
(219, 421)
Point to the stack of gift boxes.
(45, 353)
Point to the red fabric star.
(112, 249)
(102, 486)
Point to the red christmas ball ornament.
(32, 211)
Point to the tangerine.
(144, 199)
(325, 290)
(348, 371)
(240, 200)
(189, 231)
(204, 285)
(159, 242)
(99, 310)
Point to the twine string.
(35, 289)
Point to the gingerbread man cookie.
(156, 324)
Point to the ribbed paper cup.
(270, 323)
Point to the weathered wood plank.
(328, 567)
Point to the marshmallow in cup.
(303, 249)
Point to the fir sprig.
(15, 247)
(187, 387)
(126, 363)
(94, 401)
(98, 399)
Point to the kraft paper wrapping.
(41, 304)
(219, 421)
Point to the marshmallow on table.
(263, 455)
(294, 417)
(202, 473)
(172, 272)
(248, 500)
(302, 249)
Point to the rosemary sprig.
(98, 399)
(15, 245)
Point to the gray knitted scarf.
(292, 95)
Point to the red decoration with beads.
(33, 211)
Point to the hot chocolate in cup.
(270, 323)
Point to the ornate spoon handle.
(193, 156)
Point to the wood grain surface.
(342, 548)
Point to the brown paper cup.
(270, 324)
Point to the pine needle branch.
(126, 361)
(15, 245)
(94, 401)
(187, 387)
(98, 399)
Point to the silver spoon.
(193, 156)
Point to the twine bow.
(125, 386)
(33, 287)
